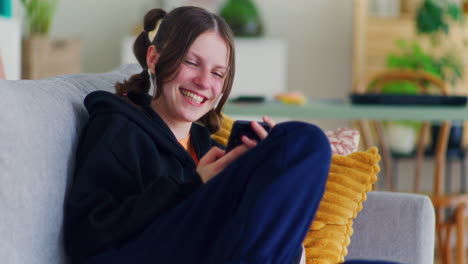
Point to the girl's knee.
(301, 135)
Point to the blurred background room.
(318, 50)
(298, 52)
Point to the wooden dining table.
(344, 110)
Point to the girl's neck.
(180, 130)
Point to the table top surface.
(342, 110)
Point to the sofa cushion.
(39, 126)
(395, 226)
(349, 179)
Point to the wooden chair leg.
(443, 231)
(420, 156)
(386, 155)
(460, 247)
(463, 166)
(440, 229)
(447, 244)
(440, 157)
(448, 176)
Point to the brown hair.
(177, 31)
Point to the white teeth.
(192, 97)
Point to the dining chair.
(450, 208)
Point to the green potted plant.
(434, 17)
(243, 17)
(39, 15)
(43, 56)
(412, 56)
(432, 20)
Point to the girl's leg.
(283, 201)
(258, 210)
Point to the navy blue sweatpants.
(256, 211)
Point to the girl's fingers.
(268, 120)
(261, 132)
(212, 155)
(232, 155)
(248, 142)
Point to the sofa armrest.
(394, 226)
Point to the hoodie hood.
(148, 120)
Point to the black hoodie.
(130, 169)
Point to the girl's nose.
(202, 79)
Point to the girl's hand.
(261, 132)
(216, 159)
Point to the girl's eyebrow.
(198, 57)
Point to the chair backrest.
(40, 122)
(420, 78)
(373, 84)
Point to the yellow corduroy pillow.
(349, 179)
(222, 136)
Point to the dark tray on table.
(391, 99)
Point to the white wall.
(101, 24)
(318, 33)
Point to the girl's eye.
(219, 75)
(191, 63)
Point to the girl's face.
(198, 84)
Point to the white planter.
(401, 138)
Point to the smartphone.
(243, 127)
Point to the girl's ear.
(152, 57)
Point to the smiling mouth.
(195, 98)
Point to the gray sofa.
(39, 126)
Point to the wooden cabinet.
(375, 37)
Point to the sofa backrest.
(40, 123)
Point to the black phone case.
(240, 128)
